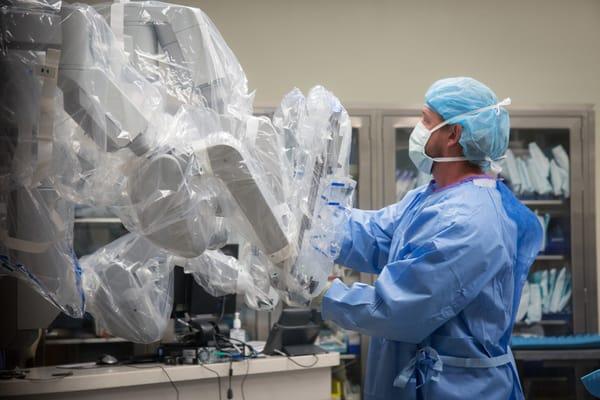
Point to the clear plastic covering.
(36, 229)
(45, 5)
(220, 275)
(180, 50)
(142, 108)
(36, 224)
(317, 134)
(129, 287)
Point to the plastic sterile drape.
(142, 108)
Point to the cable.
(163, 369)
(344, 365)
(253, 352)
(218, 377)
(229, 390)
(228, 339)
(297, 363)
(170, 380)
(244, 378)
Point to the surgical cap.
(484, 134)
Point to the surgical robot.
(143, 108)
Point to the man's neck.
(449, 173)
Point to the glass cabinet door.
(399, 173)
(360, 159)
(540, 168)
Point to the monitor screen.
(191, 298)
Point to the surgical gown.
(451, 264)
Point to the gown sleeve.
(367, 238)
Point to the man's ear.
(455, 132)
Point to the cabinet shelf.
(550, 257)
(539, 203)
(547, 322)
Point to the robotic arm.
(108, 106)
(175, 148)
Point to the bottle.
(237, 332)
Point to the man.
(452, 258)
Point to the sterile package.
(511, 171)
(523, 304)
(317, 135)
(534, 311)
(548, 292)
(537, 174)
(544, 221)
(539, 159)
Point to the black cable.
(253, 352)
(244, 378)
(218, 377)
(297, 363)
(170, 380)
(344, 365)
(215, 334)
(229, 390)
(163, 369)
(228, 339)
(305, 366)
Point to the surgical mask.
(420, 136)
(416, 148)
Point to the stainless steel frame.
(369, 175)
(363, 123)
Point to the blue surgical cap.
(485, 134)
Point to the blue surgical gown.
(451, 264)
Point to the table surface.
(41, 381)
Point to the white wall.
(388, 52)
(538, 52)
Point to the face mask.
(420, 136)
(416, 149)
